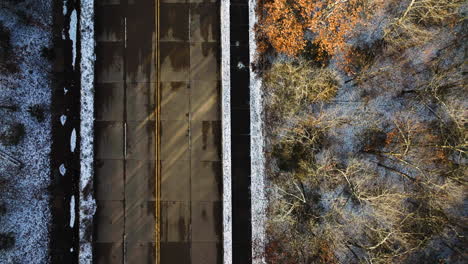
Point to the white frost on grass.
(25, 194)
(87, 204)
(73, 141)
(73, 34)
(72, 211)
(226, 124)
(257, 187)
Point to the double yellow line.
(158, 140)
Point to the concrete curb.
(257, 187)
(226, 129)
(87, 204)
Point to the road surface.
(158, 168)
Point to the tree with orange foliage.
(283, 24)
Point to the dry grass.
(433, 12)
(364, 212)
(298, 144)
(416, 25)
(295, 147)
(386, 225)
(448, 89)
(291, 85)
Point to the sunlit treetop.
(285, 23)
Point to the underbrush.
(12, 134)
(368, 162)
(7, 241)
(292, 85)
(37, 111)
(420, 22)
(360, 216)
(7, 63)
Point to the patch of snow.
(26, 198)
(87, 204)
(240, 65)
(72, 211)
(63, 119)
(226, 129)
(65, 90)
(73, 141)
(62, 169)
(72, 32)
(64, 7)
(258, 196)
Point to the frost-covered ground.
(24, 188)
(87, 204)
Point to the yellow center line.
(158, 142)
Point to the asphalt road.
(158, 168)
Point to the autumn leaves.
(288, 25)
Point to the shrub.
(2, 208)
(6, 60)
(7, 241)
(295, 148)
(411, 28)
(293, 153)
(447, 88)
(24, 17)
(37, 111)
(372, 139)
(433, 12)
(426, 149)
(48, 53)
(10, 107)
(383, 222)
(359, 58)
(13, 134)
(312, 51)
(5, 42)
(292, 85)
(14, 1)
